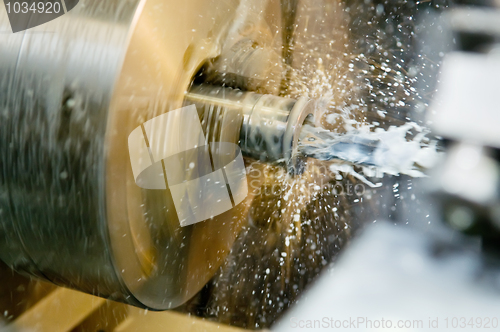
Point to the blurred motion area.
(33, 305)
(411, 232)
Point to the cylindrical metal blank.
(270, 125)
(54, 99)
(71, 92)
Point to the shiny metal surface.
(54, 116)
(71, 91)
(71, 211)
(246, 65)
(270, 125)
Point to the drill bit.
(324, 145)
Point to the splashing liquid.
(360, 60)
(387, 151)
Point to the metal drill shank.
(269, 125)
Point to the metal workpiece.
(444, 278)
(54, 101)
(245, 65)
(269, 126)
(71, 92)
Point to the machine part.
(466, 185)
(247, 66)
(446, 278)
(469, 81)
(270, 125)
(288, 14)
(468, 78)
(468, 179)
(369, 286)
(470, 173)
(71, 91)
(322, 144)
